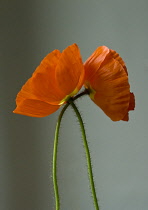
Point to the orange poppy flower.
(58, 77)
(106, 79)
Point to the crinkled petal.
(70, 71)
(117, 57)
(112, 90)
(131, 102)
(93, 63)
(35, 108)
(131, 106)
(107, 81)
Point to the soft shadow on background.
(30, 30)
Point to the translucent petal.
(108, 84)
(93, 63)
(70, 71)
(42, 85)
(35, 108)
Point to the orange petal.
(112, 90)
(131, 106)
(70, 71)
(132, 102)
(113, 102)
(93, 63)
(42, 85)
(117, 57)
(35, 108)
(107, 80)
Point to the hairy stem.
(89, 166)
(56, 138)
(54, 169)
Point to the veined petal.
(93, 63)
(107, 81)
(110, 70)
(117, 57)
(35, 108)
(113, 99)
(131, 106)
(110, 89)
(70, 71)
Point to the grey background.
(29, 30)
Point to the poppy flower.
(106, 80)
(59, 76)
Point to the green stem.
(56, 138)
(84, 92)
(54, 169)
(90, 173)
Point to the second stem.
(90, 173)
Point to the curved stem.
(54, 169)
(56, 138)
(90, 173)
(84, 92)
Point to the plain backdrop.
(29, 30)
